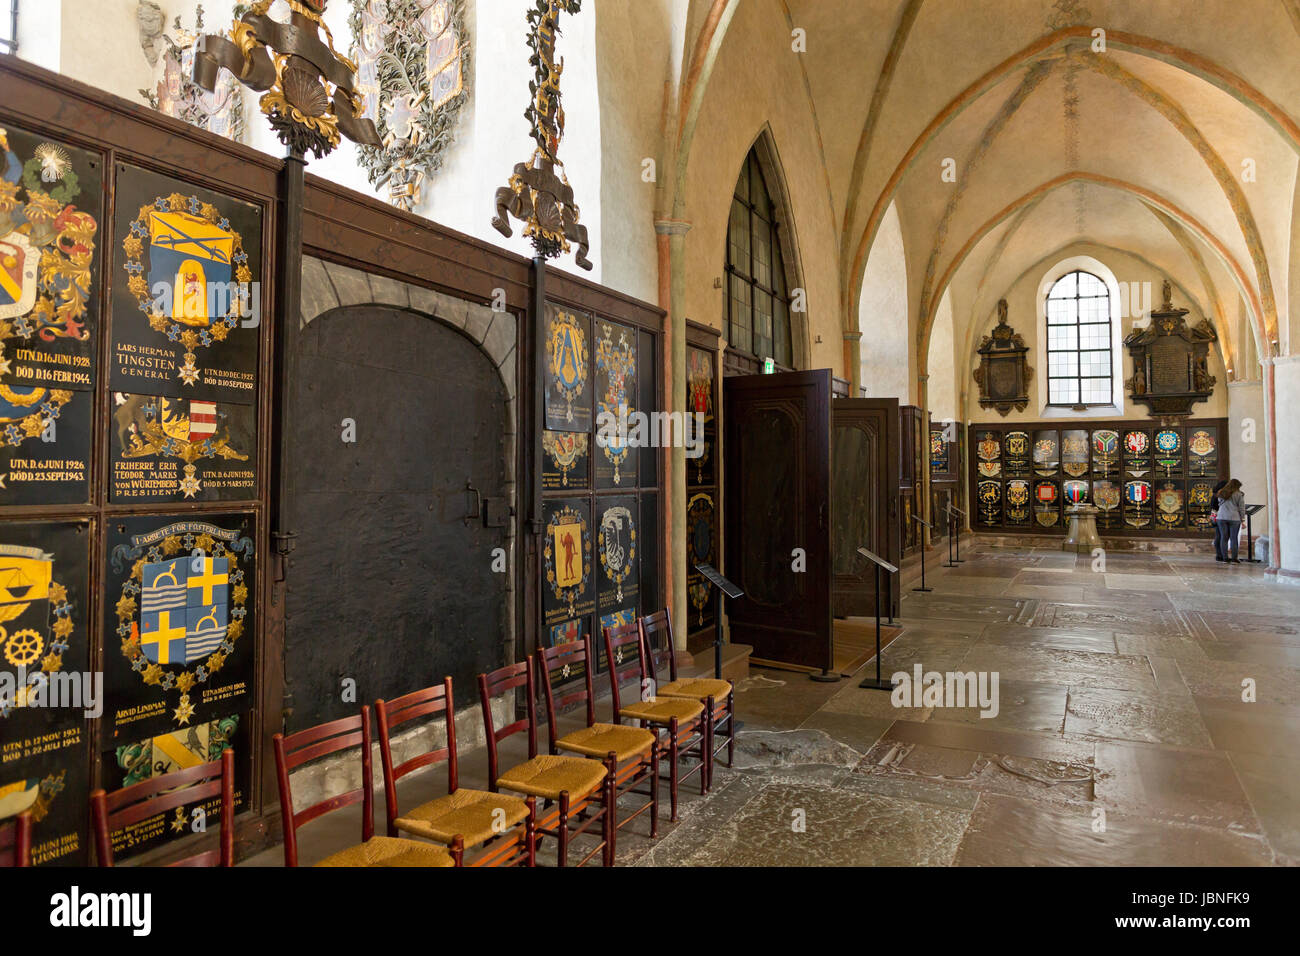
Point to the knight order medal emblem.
(566, 556)
(566, 359)
(36, 620)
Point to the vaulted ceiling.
(1177, 141)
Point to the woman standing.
(1220, 549)
(1232, 511)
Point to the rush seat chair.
(296, 749)
(631, 754)
(579, 788)
(718, 696)
(110, 812)
(502, 825)
(679, 720)
(16, 841)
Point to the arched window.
(758, 294)
(1078, 341)
(9, 26)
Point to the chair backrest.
(624, 654)
(504, 680)
(296, 749)
(110, 812)
(428, 702)
(657, 639)
(16, 841)
(561, 660)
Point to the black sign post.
(924, 524)
(952, 533)
(721, 586)
(957, 516)
(1250, 538)
(877, 683)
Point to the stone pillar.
(672, 282)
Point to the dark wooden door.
(864, 502)
(393, 582)
(777, 501)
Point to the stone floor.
(1122, 736)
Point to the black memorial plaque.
(1200, 496)
(619, 428)
(1016, 455)
(988, 452)
(1047, 503)
(989, 494)
(1202, 452)
(701, 469)
(568, 559)
(1105, 453)
(1137, 504)
(1047, 453)
(1168, 453)
(617, 549)
(568, 369)
(186, 293)
(1137, 453)
(1108, 495)
(50, 466)
(566, 461)
(179, 619)
(1170, 504)
(47, 692)
(701, 548)
(53, 197)
(1017, 494)
(1074, 452)
(171, 449)
(191, 746)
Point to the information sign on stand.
(877, 683)
(721, 587)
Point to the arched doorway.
(399, 461)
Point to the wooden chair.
(679, 720)
(579, 788)
(631, 754)
(718, 696)
(16, 841)
(110, 812)
(296, 749)
(502, 825)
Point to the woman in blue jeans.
(1227, 525)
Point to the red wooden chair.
(110, 812)
(631, 754)
(296, 749)
(16, 841)
(679, 720)
(579, 788)
(718, 696)
(502, 825)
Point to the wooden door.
(864, 502)
(777, 505)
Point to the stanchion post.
(925, 524)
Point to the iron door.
(398, 448)
(864, 502)
(778, 542)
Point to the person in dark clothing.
(1220, 551)
(1232, 511)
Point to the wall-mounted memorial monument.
(1170, 360)
(1004, 372)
